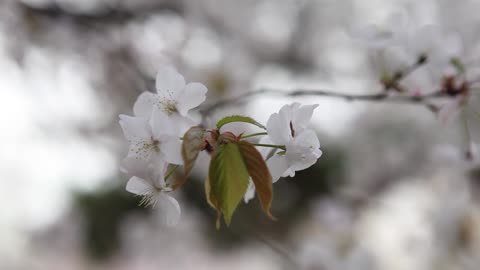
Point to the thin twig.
(106, 15)
(383, 96)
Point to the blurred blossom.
(68, 67)
(202, 50)
(156, 39)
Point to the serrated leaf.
(192, 143)
(212, 201)
(228, 180)
(261, 177)
(238, 118)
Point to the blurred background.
(391, 191)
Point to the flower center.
(169, 106)
(156, 145)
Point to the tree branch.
(111, 15)
(379, 97)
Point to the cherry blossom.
(150, 138)
(148, 180)
(173, 97)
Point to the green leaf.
(239, 118)
(258, 170)
(212, 201)
(227, 180)
(192, 145)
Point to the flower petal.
(304, 151)
(169, 83)
(172, 150)
(182, 123)
(170, 209)
(278, 129)
(145, 103)
(142, 149)
(193, 95)
(139, 186)
(134, 167)
(302, 116)
(277, 165)
(162, 125)
(307, 139)
(250, 192)
(134, 128)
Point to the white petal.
(134, 167)
(145, 103)
(277, 165)
(169, 83)
(250, 192)
(158, 171)
(182, 123)
(138, 186)
(304, 151)
(134, 128)
(162, 125)
(193, 95)
(302, 116)
(141, 149)
(170, 209)
(278, 129)
(172, 150)
(307, 139)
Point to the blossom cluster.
(422, 59)
(164, 135)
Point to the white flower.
(302, 149)
(174, 97)
(148, 180)
(288, 128)
(380, 36)
(152, 138)
(290, 121)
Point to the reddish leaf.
(258, 170)
(191, 146)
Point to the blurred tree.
(103, 212)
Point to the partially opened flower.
(290, 121)
(288, 127)
(148, 180)
(152, 138)
(173, 97)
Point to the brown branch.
(379, 97)
(111, 15)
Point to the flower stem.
(270, 145)
(254, 134)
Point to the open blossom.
(173, 97)
(379, 36)
(152, 138)
(302, 149)
(288, 128)
(289, 122)
(148, 180)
